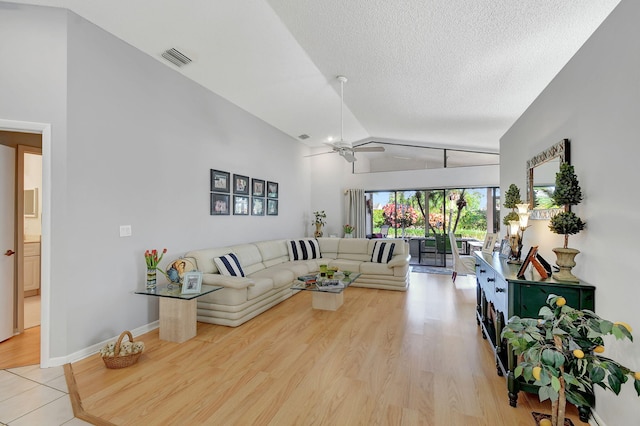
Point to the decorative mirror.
(541, 179)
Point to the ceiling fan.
(344, 149)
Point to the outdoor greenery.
(562, 353)
(405, 214)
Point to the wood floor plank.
(400, 358)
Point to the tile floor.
(34, 396)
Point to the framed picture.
(272, 207)
(257, 206)
(527, 260)
(272, 190)
(240, 205)
(257, 187)
(219, 181)
(240, 184)
(192, 282)
(489, 243)
(505, 248)
(219, 204)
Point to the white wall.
(132, 144)
(595, 102)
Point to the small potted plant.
(319, 221)
(567, 193)
(562, 353)
(348, 230)
(511, 201)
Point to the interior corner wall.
(133, 142)
(595, 102)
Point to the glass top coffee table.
(325, 294)
(178, 322)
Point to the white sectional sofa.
(270, 272)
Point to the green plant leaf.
(545, 311)
(558, 359)
(518, 370)
(555, 383)
(614, 383)
(548, 357)
(597, 374)
(636, 384)
(547, 392)
(606, 326)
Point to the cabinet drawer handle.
(482, 271)
(490, 280)
(477, 264)
(500, 290)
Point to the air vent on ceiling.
(303, 136)
(176, 57)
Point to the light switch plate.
(125, 230)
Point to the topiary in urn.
(567, 193)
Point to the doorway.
(35, 338)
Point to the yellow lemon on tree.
(536, 372)
(598, 349)
(561, 301)
(636, 375)
(624, 324)
(545, 422)
(578, 353)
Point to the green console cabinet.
(501, 295)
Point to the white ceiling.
(444, 73)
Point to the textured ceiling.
(448, 73)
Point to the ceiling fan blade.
(320, 153)
(348, 155)
(369, 149)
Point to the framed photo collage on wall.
(243, 195)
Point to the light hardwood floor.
(21, 350)
(384, 358)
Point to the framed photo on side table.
(505, 248)
(489, 243)
(192, 282)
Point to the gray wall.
(595, 102)
(132, 144)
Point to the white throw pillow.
(229, 265)
(382, 252)
(304, 249)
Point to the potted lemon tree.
(563, 353)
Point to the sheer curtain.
(355, 211)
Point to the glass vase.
(151, 278)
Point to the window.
(469, 212)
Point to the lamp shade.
(514, 227)
(522, 208)
(524, 220)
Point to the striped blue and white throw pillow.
(304, 249)
(229, 265)
(382, 252)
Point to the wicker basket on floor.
(118, 361)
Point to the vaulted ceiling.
(441, 73)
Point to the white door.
(7, 239)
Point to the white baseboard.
(595, 419)
(93, 349)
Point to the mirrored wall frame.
(559, 153)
